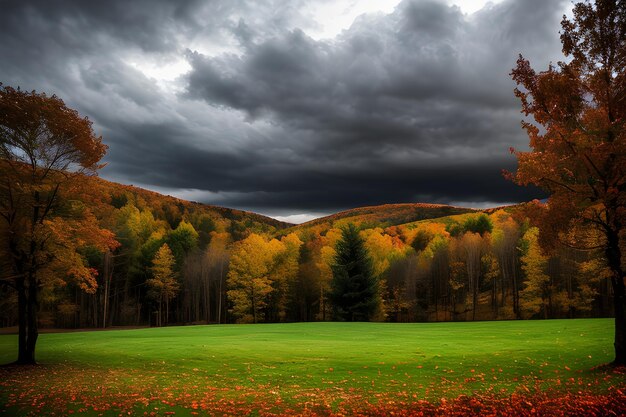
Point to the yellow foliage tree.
(535, 297)
(249, 278)
(283, 275)
(217, 256)
(163, 286)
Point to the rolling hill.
(382, 216)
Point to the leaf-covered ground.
(488, 368)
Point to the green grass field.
(313, 367)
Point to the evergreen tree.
(354, 288)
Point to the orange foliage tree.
(45, 150)
(578, 140)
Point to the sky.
(294, 109)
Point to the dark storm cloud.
(424, 84)
(87, 26)
(424, 77)
(415, 185)
(412, 106)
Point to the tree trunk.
(323, 302)
(475, 299)
(28, 296)
(220, 295)
(207, 298)
(504, 280)
(108, 273)
(253, 305)
(22, 321)
(160, 316)
(613, 256)
(620, 331)
(106, 302)
(516, 308)
(28, 332)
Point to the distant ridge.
(155, 199)
(386, 215)
(383, 215)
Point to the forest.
(178, 262)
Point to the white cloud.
(300, 218)
(332, 17)
(164, 71)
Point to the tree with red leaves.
(45, 150)
(578, 140)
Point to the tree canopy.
(45, 148)
(578, 140)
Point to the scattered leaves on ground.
(64, 390)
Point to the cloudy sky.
(295, 108)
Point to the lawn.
(316, 368)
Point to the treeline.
(464, 267)
(181, 262)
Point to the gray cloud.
(416, 105)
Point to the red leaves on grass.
(65, 390)
(537, 404)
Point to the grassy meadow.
(307, 368)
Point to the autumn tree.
(385, 250)
(472, 247)
(182, 240)
(504, 242)
(195, 275)
(578, 138)
(217, 256)
(163, 286)
(402, 278)
(142, 235)
(535, 297)
(481, 224)
(354, 288)
(491, 269)
(305, 292)
(324, 264)
(284, 274)
(249, 278)
(437, 255)
(45, 147)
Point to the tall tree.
(249, 278)
(536, 296)
(354, 288)
(284, 275)
(505, 240)
(578, 143)
(45, 147)
(163, 285)
(472, 247)
(218, 257)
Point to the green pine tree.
(354, 288)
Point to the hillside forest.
(178, 262)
